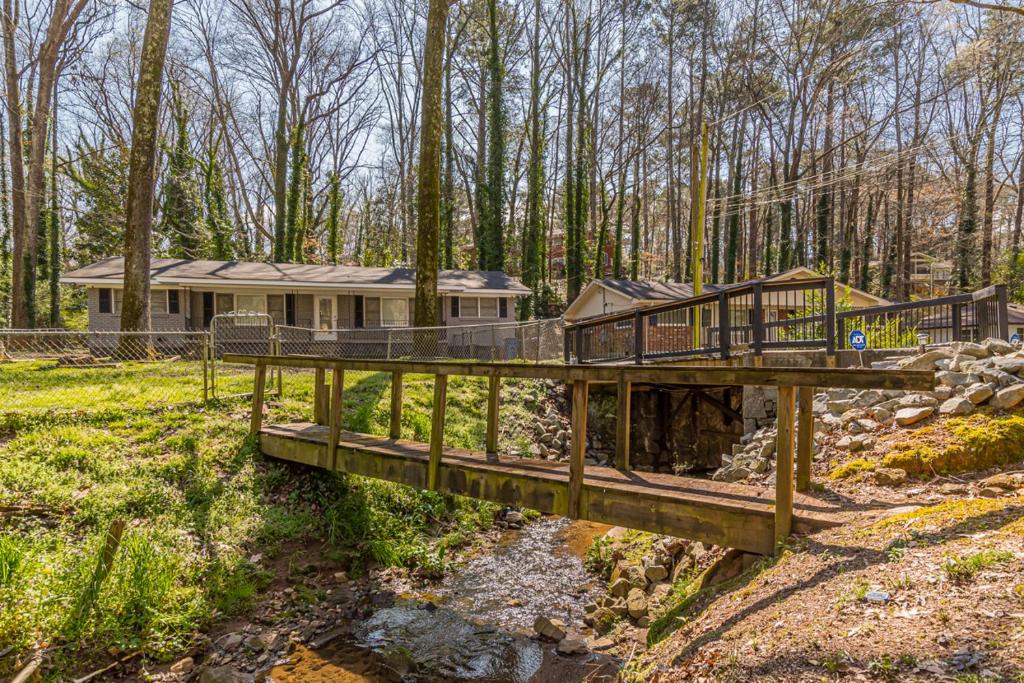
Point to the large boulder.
(956, 406)
(1008, 397)
(951, 379)
(998, 346)
(917, 401)
(636, 603)
(552, 629)
(927, 360)
(1008, 364)
(971, 349)
(906, 417)
(979, 392)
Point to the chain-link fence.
(59, 369)
(533, 341)
(56, 369)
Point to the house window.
(118, 295)
(281, 308)
(488, 307)
(455, 307)
(158, 302)
(173, 302)
(106, 304)
(360, 312)
(470, 307)
(251, 303)
(502, 307)
(371, 311)
(394, 312)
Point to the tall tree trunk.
(533, 230)
(428, 192)
(53, 226)
(135, 305)
(990, 197)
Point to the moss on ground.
(968, 444)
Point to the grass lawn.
(199, 501)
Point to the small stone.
(636, 603)
(876, 597)
(917, 401)
(656, 573)
(956, 406)
(183, 666)
(552, 629)
(889, 476)
(514, 519)
(1008, 397)
(571, 646)
(979, 392)
(601, 644)
(880, 414)
(1004, 480)
(340, 577)
(991, 492)
(230, 642)
(906, 417)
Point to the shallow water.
(475, 625)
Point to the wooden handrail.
(853, 378)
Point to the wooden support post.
(259, 384)
(437, 430)
(396, 405)
(493, 390)
(622, 425)
(804, 438)
(334, 420)
(579, 446)
(784, 466)
(319, 397)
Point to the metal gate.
(241, 332)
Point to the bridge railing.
(755, 315)
(961, 317)
(327, 407)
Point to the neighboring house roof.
(805, 272)
(647, 290)
(944, 318)
(110, 271)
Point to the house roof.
(803, 271)
(289, 275)
(646, 290)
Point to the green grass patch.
(963, 568)
(199, 502)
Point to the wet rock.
(906, 417)
(552, 629)
(979, 392)
(230, 642)
(889, 476)
(1008, 397)
(571, 646)
(224, 674)
(636, 603)
(956, 406)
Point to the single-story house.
(604, 296)
(186, 295)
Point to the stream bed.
(475, 624)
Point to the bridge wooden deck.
(688, 507)
(732, 515)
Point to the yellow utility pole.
(698, 239)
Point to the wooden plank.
(319, 397)
(493, 391)
(396, 405)
(258, 387)
(578, 447)
(622, 419)
(437, 430)
(732, 515)
(856, 378)
(804, 438)
(786, 409)
(334, 417)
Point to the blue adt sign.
(1015, 339)
(858, 340)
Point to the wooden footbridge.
(732, 515)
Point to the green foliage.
(218, 222)
(599, 559)
(181, 221)
(100, 186)
(333, 216)
(295, 229)
(492, 247)
(960, 568)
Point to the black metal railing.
(795, 314)
(756, 315)
(961, 317)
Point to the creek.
(476, 623)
